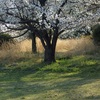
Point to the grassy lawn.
(70, 78)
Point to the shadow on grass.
(93, 97)
(40, 78)
(16, 73)
(12, 84)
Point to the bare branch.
(20, 34)
(16, 28)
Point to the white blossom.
(73, 15)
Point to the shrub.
(5, 38)
(96, 34)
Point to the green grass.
(70, 78)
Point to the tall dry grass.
(66, 47)
(76, 46)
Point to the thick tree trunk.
(49, 55)
(34, 48)
(49, 44)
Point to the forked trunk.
(49, 55)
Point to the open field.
(74, 76)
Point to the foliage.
(96, 34)
(83, 31)
(5, 38)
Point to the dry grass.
(69, 45)
(66, 47)
(12, 52)
(75, 46)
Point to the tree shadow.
(93, 97)
(12, 82)
(16, 73)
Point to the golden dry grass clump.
(68, 47)
(75, 46)
(25, 46)
(9, 51)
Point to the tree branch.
(62, 5)
(20, 34)
(17, 28)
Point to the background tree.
(96, 34)
(13, 25)
(47, 19)
(32, 36)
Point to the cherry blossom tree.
(47, 19)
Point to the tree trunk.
(49, 54)
(34, 48)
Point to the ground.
(70, 78)
(74, 76)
